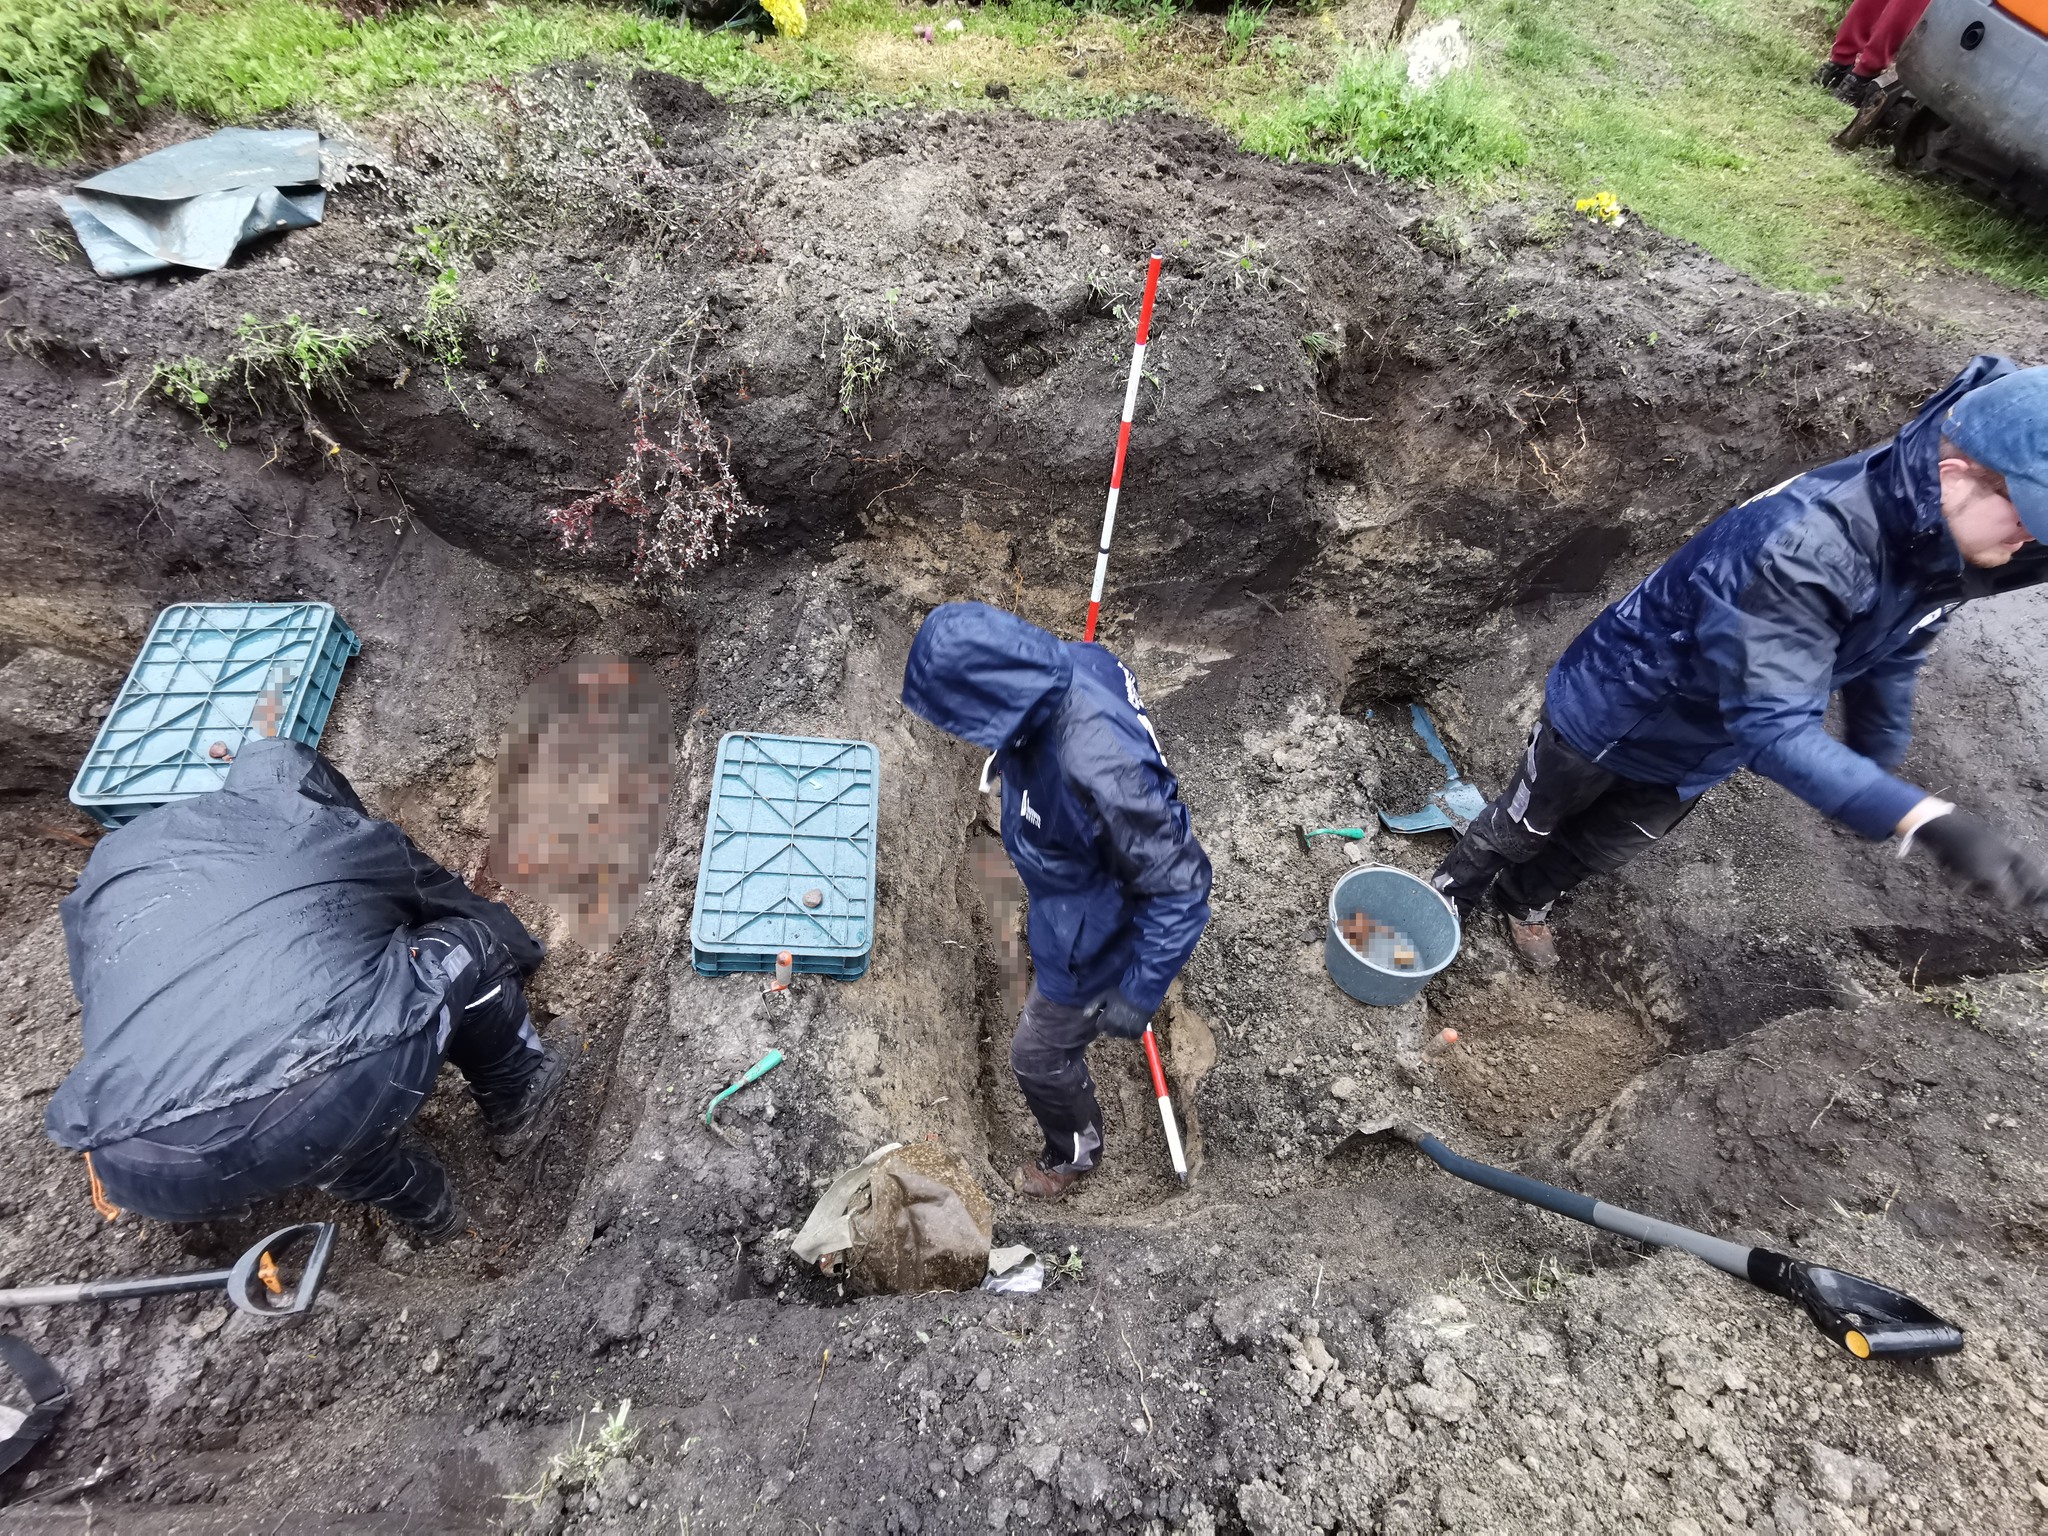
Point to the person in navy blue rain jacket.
(1725, 657)
(1092, 819)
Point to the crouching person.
(1093, 821)
(270, 980)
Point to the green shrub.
(63, 72)
(1455, 131)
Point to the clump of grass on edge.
(1454, 132)
(303, 360)
(63, 75)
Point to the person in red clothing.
(1865, 45)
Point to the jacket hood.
(270, 765)
(984, 675)
(1903, 475)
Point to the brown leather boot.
(1048, 1183)
(1533, 941)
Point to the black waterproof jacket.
(235, 943)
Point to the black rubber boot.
(1830, 74)
(447, 1221)
(518, 1120)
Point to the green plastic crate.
(195, 683)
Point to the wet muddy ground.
(1386, 451)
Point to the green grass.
(1457, 131)
(1699, 116)
(61, 77)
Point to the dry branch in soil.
(678, 487)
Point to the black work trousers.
(346, 1130)
(1561, 819)
(1049, 1054)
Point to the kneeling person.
(1092, 819)
(270, 980)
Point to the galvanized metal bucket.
(1400, 900)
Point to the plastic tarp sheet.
(194, 204)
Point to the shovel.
(252, 1283)
(1450, 809)
(1865, 1318)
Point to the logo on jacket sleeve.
(1025, 810)
(1138, 704)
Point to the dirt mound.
(1384, 449)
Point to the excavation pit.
(1311, 539)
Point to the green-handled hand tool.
(755, 1073)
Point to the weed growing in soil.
(680, 488)
(439, 330)
(1239, 26)
(581, 1463)
(867, 350)
(302, 359)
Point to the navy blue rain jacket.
(1091, 816)
(1725, 657)
(238, 942)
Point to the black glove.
(1121, 1017)
(1982, 857)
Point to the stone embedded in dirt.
(1267, 1511)
(1445, 1393)
(1039, 1460)
(618, 1310)
(1690, 1368)
(1343, 1088)
(1252, 1315)
(1844, 1479)
(977, 1458)
(1084, 1481)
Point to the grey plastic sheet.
(194, 204)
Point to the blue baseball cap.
(2004, 426)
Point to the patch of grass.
(235, 58)
(62, 76)
(1240, 25)
(1699, 115)
(1455, 132)
(301, 359)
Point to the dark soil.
(1385, 451)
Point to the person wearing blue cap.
(1835, 582)
(1092, 819)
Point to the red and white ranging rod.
(1116, 482)
(1173, 1147)
(1123, 443)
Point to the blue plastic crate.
(196, 682)
(790, 816)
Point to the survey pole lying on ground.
(1123, 444)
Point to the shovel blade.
(1430, 818)
(1462, 802)
(1869, 1320)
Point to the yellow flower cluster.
(1601, 208)
(788, 15)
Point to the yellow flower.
(1602, 207)
(788, 16)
